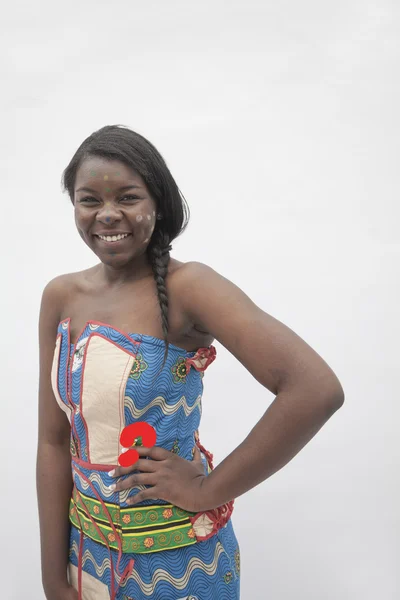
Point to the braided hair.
(118, 142)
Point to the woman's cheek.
(146, 224)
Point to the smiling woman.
(162, 527)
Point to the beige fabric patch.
(92, 588)
(106, 370)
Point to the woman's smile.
(112, 240)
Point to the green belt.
(141, 529)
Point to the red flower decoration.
(136, 434)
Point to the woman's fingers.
(133, 481)
(149, 494)
(156, 452)
(140, 465)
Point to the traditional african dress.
(104, 382)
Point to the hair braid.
(159, 259)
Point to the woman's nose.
(108, 213)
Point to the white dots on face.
(145, 241)
(154, 213)
(149, 217)
(139, 218)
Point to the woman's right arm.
(53, 468)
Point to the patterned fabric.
(154, 550)
(142, 530)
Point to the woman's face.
(110, 199)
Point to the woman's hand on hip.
(171, 477)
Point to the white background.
(280, 124)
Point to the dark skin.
(203, 307)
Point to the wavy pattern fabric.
(107, 381)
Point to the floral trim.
(175, 447)
(237, 561)
(179, 370)
(202, 359)
(73, 446)
(228, 577)
(79, 354)
(138, 367)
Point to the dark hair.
(118, 142)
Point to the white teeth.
(113, 238)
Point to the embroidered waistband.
(143, 529)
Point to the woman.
(160, 527)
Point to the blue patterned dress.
(153, 550)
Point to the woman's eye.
(91, 199)
(87, 199)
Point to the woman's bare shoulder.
(80, 281)
(66, 281)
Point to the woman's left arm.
(307, 391)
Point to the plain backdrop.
(280, 124)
